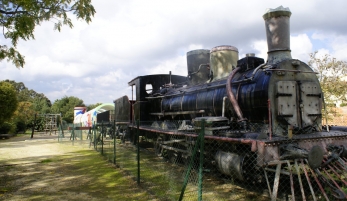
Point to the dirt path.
(43, 169)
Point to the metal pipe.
(170, 77)
(252, 142)
(318, 183)
(138, 150)
(334, 182)
(257, 68)
(223, 109)
(250, 78)
(299, 178)
(198, 69)
(178, 113)
(202, 156)
(270, 122)
(231, 96)
(294, 71)
(276, 182)
(291, 180)
(308, 180)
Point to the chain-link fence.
(213, 159)
(74, 134)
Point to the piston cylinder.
(230, 164)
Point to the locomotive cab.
(142, 105)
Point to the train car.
(266, 114)
(89, 118)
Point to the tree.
(332, 78)
(40, 103)
(19, 18)
(23, 116)
(65, 107)
(29, 103)
(8, 101)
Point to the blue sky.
(127, 39)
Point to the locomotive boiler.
(268, 115)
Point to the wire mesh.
(74, 134)
(211, 159)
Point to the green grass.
(104, 179)
(79, 173)
(156, 176)
(46, 161)
(165, 180)
(85, 170)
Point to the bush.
(21, 127)
(7, 127)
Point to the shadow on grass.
(77, 175)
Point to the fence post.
(114, 141)
(102, 137)
(73, 134)
(94, 131)
(189, 167)
(138, 151)
(59, 133)
(202, 141)
(81, 132)
(90, 136)
(61, 124)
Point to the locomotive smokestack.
(278, 34)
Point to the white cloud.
(301, 47)
(336, 44)
(176, 65)
(261, 47)
(339, 47)
(130, 38)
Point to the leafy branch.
(332, 78)
(19, 18)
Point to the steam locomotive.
(267, 114)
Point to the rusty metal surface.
(267, 150)
(300, 181)
(319, 184)
(231, 95)
(334, 182)
(291, 180)
(334, 169)
(308, 180)
(276, 183)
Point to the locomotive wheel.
(172, 156)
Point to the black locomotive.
(266, 113)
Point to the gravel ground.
(43, 169)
